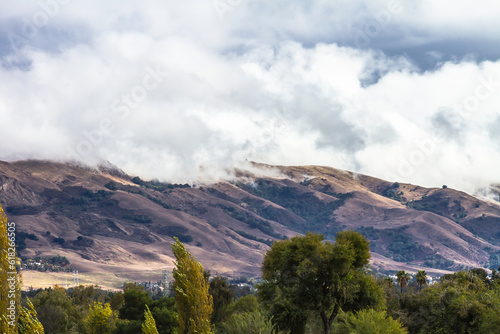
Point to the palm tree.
(402, 277)
(389, 281)
(421, 279)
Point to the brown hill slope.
(110, 224)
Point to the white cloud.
(267, 83)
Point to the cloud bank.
(404, 91)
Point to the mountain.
(114, 227)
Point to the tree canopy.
(306, 275)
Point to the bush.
(111, 186)
(254, 322)
(184, 238)
(368, 321)
(60, 241)
(140, 219)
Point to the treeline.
(309, 286)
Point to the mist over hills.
(110, 223)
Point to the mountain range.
(115, 227)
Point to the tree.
(305, 276)
(56, 312)
(222, 296)
(402, 277)
(459, 303)
(28, 322)
(135, 301)
(149, 325)
(165, 315)
(10, 279)
(389, 281)
(193, 302)
(421, 279)
(101, 319)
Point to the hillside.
(115, 227)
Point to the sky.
(406, 91)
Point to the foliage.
(421, 278)
(28, 322)
(316, 212)
(135, 301)
(222, 295)
(369, 232)
(249, 236)
(368, 321)
(140, 219)
(21, 240)
(305, 275)
(101, 319)
(402, 248)
(246, 304)
(463, 302)
(157, 185)
(438, 261)
(193, 302)
(111, 186)
(60, 241)
(251, 323)
(149, 325)
(402, 277)
(163, 310)
(56, 312)
(133, 304)
(393, 193)
(262, 225)
(440, 205)
(89, 199)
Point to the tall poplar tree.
(193, 302)
(28, 322)
(149, 324)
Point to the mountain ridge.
(113, 224)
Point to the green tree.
(421, 278)
(459, 303)
(222, 296)
(163, 310)
(135, 299)
(56, 312)
(28, 322)
(368, 321)
(149, 324)
(402, 277)
(247, 304)
(389, 281)
(306, 276)
(101, 319)
(193, 301)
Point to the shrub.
(254, 322)
(60, 241)
(368, 321)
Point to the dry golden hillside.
(113, 227)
